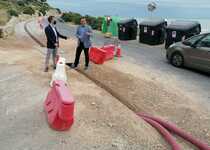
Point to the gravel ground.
(151, 60)
(102, 122)
(145, 89)
(142, 89)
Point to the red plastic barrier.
(119, 52)
(171, 127)
(168, 137)
(59, 106)
(97, 55)
(109, 51)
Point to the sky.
(165, 8)
(180, 3)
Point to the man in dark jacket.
(52, 42)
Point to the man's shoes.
(73, 66)
(46, 69)
(86, 68)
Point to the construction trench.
(102, 82)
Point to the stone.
(93, 103)
(110, 125)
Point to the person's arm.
(77, 33)
(90, 31)
(61, 36)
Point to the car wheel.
(177, 60)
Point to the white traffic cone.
(61, 60)
(60, 72)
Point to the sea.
(166, 9)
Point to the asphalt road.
(192, 83)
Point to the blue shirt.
(82, 36)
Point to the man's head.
(51, 20)
(83, 21)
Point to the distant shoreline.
(205, 22)
(100, 8)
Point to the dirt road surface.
(135, 88)
(151, 60)
(102, 122)
(177, 95)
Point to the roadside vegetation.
(9, 8)
(94, 22)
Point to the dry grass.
(4, 17)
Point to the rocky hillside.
(9, 8)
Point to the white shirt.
(56, 35)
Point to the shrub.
(59, 11)
(20, 3)
(13, 12)
(99, 23)
(40, 14)
(46, 5)
(67, 17)
(28, 10)
(94, 22)
(43, 10)
(4, 17)
(89, 19)
(76, 18)
(71, 17)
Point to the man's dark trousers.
(78, 53)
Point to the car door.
(191, 54)
(203, 52)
